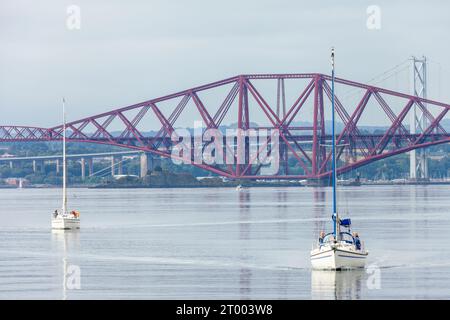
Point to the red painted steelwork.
(307, 151)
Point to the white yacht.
(62, 218)
(339, 249)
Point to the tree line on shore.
(395, 167)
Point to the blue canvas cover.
(346, 222)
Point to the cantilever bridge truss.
(298, 105)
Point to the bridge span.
(297, 106)
(147, 161)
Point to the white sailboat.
(62, 218)
(338, 250)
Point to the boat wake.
(152, 260)
(200, 224)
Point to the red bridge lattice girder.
(358, 147)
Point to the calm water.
(223, 244)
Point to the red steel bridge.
(298, 105)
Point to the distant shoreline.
(196, 186)
(262, 185)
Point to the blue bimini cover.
(346, 222)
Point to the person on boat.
(321, 236)
(75, 214)
(55, 214)
(357, 241)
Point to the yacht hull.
(335, 258)
(65, 223)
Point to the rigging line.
(117, 163)
(444, 68)
(394, 74)
(353, 92)
(105, 173)
(350, 92)
(387, 71)
(440, 68)
(436, 62)
(109, 167)
(101, 170)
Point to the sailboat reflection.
(67, 242)
(337, 285)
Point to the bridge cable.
(353, 92)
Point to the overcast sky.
(131, 51)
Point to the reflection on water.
(244, 214)
(282, 214)
(337, 284)
(221, 244)
(245, 274)
(65, 242)
(319, 195)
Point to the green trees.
(19, 172)
(389, 168)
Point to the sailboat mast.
(333, 151)
(64, 206)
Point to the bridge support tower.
(418, 164)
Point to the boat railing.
(329, 238)
(363, 247)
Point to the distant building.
(16, 181)
(437, 157)
(212, 177)
(7, 155)
(120, 176)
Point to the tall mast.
(333, 151)
(64, 205)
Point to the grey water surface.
(222, 244)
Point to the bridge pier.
(58, 169)
(120, 166)
(38, 166)
(11, 166)
(90, 166)
(148, 163)
(113, 166)
(83, 169)
(116, 162)
(144, 165)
